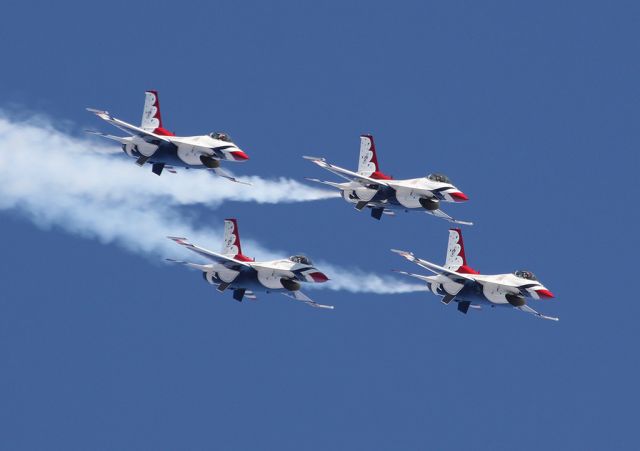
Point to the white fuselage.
(268, 274)
(402, 193)
(188, 149)
(490, 288)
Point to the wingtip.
(96, 111)
(178, 239)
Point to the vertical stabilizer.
(368, 163)
(456, 258)
(231, 246)
(151, 118)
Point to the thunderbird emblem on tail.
(371, 188)
(152, 143)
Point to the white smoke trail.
(55, 180)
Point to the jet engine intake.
(515, 300)
(289, 284)
(429, 203)
(209, 162)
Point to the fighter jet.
(234, 271)
(152, 143)
(371, 188)
(456, 281)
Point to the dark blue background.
(531, 109)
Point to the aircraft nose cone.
(239, 155)
(318, 277)
(544, 293)
(459, 196)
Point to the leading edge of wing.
(125, 126)
(213, 256)
(436, 269)
(345, 173)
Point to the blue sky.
(532, 110)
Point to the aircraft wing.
(346, 174)
(442, 215)
(222, 173)
(525, 308)
(225, 260)
(300, 296)
(149, 137)
(436, 269)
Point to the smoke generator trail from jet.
(55, 180)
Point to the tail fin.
(368, 163)
(232, 246)
(456, 258)
(151, 117)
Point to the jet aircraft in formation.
(152, 143)
(234, 271)
(457, 281)
(371, 188)
(368, 188)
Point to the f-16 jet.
(371, 188)
(456, 281)
(232, 270)
(152, 143)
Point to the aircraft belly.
(166, 153)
